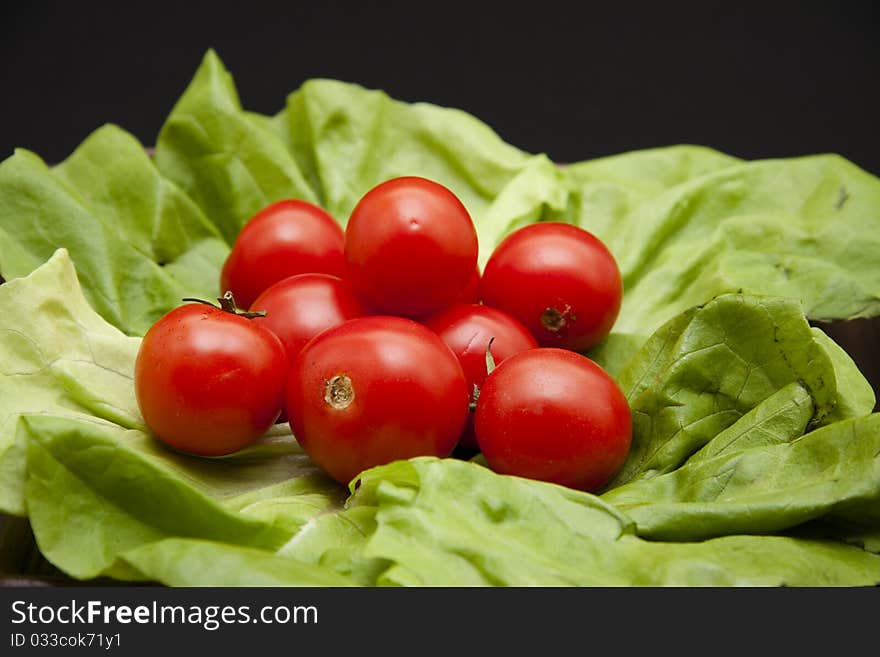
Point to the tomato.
(209, 381)
(467, 329)
(283, 239)
(471, 291)
(554, 415)
(373, 390)
(410, 247)
(299, 307)
(559, 280)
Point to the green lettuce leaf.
(196, 562)
(76, 456)
(783, 479)
(685, 228)
(685, 223)
(227, 163)
(349, 138)
(608, 189)
(453, 523)
(336, 541)
(80, 470)
(57, 356)
(746, 420)
(855, 395)
(139, 243)
(332, 143)
(707, 367)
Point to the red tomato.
(374, 390)
(471, 291)
(299, 307)
(467, 329)
(553, 415)
(410, 247)
(209, 381)
(557, 279)
(283, 239)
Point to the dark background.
(573, 80)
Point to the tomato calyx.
(226, 303)
(339, 392)
(490, 365)
(490, 360)
(555, 320)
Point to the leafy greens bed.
(755, 459)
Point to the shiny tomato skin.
(559, 280)
(471, 291)
(553, 415)
(410, 247)
(283, 239)
(299, 307)
(467, 329)
(207, 381)
(374, 390)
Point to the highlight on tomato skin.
(559, 280)
(467, 329)
(373, 390)
(283, 239)
(410, 247)
(553, 415)
(207, 381)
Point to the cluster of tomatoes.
(384, 341)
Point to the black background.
(574, 80)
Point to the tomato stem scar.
(554, 320)
(338, 392)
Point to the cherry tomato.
(410, 247)
(209, 381)
(467, 329)
(471, 291)
(374, 390)
(283, 239)
(553, 415)
(557, 279)
(299, 307)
